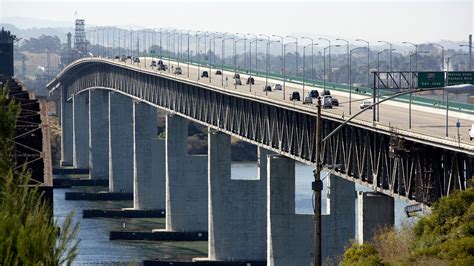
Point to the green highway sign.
(459, 77)
(432, 79)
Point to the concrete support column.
(120, 143)
(237, 208)
(66, 129)
(374, 211)
(98, 134)
(186, 181)
(80, 125)
(148, 159)
(290, 235)
(57, 103)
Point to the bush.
(365, 254)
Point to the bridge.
(108, 121)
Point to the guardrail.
(418, 100)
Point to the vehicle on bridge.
(237, 81)
(471, 132)
(326, 92)
(295, 96)
(327, 101)
(366, 104)
(335, 101)
(267, 88)
(313, 94)
(308, 99)
(153, 63)
(162, 67)
(218, 72)
(117, 57)
(251, 80)
(236, 76)
(277, 87)
(136, 60)
(204, 74)
(178, 71)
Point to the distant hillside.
(36, 32)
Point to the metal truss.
(384, 160)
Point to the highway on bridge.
(426, 121)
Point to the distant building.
(6, 54)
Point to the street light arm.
(374, 104)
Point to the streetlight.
(317, 185)
(470, 54)
(199, 64)
(411, 85)
(368, 60)
(235, 55)
(210, 49)
(350, 76)
(390, 46)
(282, 52)
(312, 57)
(347, 54)
(250, 75)
(442, 53)
(329, 57)
(223, 56)
(256, 52)
(377, 91)
(296, 54)
(284, 67)
(189, 60)
(447, 95)
(304, 62)
(267, 63)
(324, 67)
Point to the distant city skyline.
(394, 21)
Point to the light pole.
(199, 64)
(250, 74)
(312, 57)
(256, 52)
(376, 92)
(284, 68)
(235, 55)
(329, 46)
(282, 52)
(470, 54)
(304, 62)
(447, 92)
(189, 35)
(223, 57)
(411, 85)
(169, 48)
(442, 54)
(268, 62)
(350, 76)
(390, 46)
(368, 60)
(212, 39)
(324, 66)
(347, 54)
(296, 54)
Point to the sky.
(395, 21)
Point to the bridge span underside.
(388, 162)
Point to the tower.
(80, 36)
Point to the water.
(95, 246)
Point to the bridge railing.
(357, 90)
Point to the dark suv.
(295, 96)
(250, 80)
(313, 94)
(204, 74)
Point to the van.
(471, 132)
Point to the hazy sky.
(415, 21)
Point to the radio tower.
(80, 41)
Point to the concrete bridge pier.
(186, 186)
(148, 160)
(375, 210)
(80, 125)
(66, 130)
(120, 143)
(291, 236)
(98, 134)
(237, 208)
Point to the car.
(178, 71)
(277, 87)
(153, 63)
(129, 57)
(335, 102)
(160, 62)
(471, 132)
(218, 72)
(136, 60)
(267, 88)
(251, 80)
(313, 94)
(327, 101)
(326, 92)
(123, 58)
(237, 81)
(117, 57)
(204, 74)
(162, 67)
(308, 99)
(236, 76)
(295, 96)
(366, 104)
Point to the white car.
(471, 132)
(366, 104)
(277, 87)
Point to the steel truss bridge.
(395, 162)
